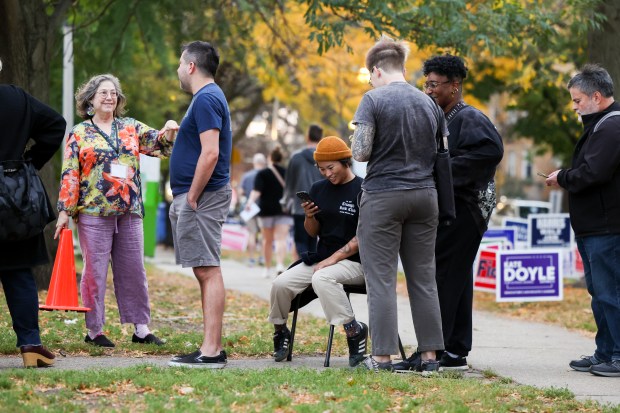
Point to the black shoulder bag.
(25, 209)
(443, 181)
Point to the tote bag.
(25, 209)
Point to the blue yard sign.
(525, 275)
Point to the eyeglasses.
(106, 93)
(433, 84)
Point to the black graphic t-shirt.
(338, 216)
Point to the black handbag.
(443, 182)
(25, 208)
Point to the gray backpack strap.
(609, 115)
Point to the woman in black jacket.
(22, 118)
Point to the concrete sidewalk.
(529, 353)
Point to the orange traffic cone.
(62, 294)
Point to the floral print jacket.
(87, 184)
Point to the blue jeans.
(601, 263)
(23, 302)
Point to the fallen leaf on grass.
(90, 390)
(185, 390)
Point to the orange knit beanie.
(331, 148)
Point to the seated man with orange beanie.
(332, 216)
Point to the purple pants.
(119, 239)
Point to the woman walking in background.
(274, 223)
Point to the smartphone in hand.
(304, 196)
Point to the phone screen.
(304, 196)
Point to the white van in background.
(518, 208)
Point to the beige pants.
(327, 284)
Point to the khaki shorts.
(197, 234)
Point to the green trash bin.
(149, 174)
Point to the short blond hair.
(387, 54)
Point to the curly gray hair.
(86, 93)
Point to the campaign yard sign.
(550, 231)
(526, 275)
(484, 270)
(500, 234)
(521, 226)
(234, 237)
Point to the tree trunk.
(28, 37)
(603, 46)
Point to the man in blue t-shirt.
(200, 182)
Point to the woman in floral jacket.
(100, 188)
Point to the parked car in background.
(518, 208)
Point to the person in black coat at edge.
(593, 185)
(22, 118)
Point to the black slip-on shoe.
(149, 339)
(100, 341)
(201, 362)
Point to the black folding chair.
(306, 297)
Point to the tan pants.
(327, 284)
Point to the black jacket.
(22, 118)
(593, 181)
(476, 149)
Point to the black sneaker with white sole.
(375, 366)
(281, 342)
(415, 364)
(199, 361)
(447, 362)
(610, 369)
(584, 363)
(181, 356)
(409, 364)
(358, 345)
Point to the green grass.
(177, 317)
(148, 388)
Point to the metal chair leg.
(293, 327)
(330, 340)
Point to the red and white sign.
(484, 271)
(234, 237)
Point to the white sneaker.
(279, 269)
(267, 273)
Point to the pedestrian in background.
(300, 175)
(245, 188)
(593, 185)
(396, 126)
(100, 189)
(273, 221)
(23, 118)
